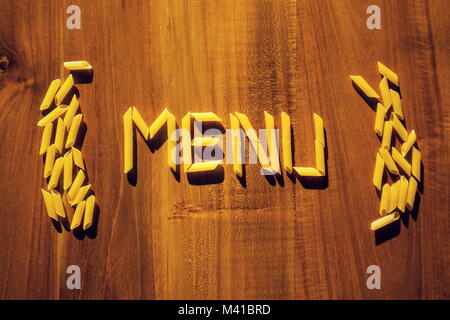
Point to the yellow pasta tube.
(80, 195)
(78, 158)
(379, 119)
(89, 212)
(204, 166)
(205, 116)
(71, 111)
(393, 196)
(401, 161)
(384, 221)
(403, 191)
(411, 196)
(318, 129)
(49, 161)
(408, 143)
(158, 123)
(384, 203)
(397, 104)
(247, 126)
(204, 141)
(78, 215)
(171, 141)
(64, 90)
(385, 94)
(68, 168)
(59, 136)
(378, 172)
(237, 151)
(398, 127)
(365, 87)
(73, 191)
(140, 123)
(53, 115)
(320, 157)
(73, 131)
(388, 161)
(58, 204)
(387, 135)
(416, 159)
(56, 173)
(388, 73)
(50, 94)
(77, 65)
(272, 143)
(186, 141)
(46, 138)
(286, 141)
(48, 200)
(128, 140)
(308, 172)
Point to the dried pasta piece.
(204, 141)
(73, 131)
(236, 141)
(50, 94)
(46, 138)
(78, 215)
(78, 158)
(73, 191)
(77, 65)
(393, 196)
(48, 200)
(272, 143)
(308, 172)
(397, 104)
(389, 162)
(172, 138)
(59, 136)
(385, 94)
(318, 129)
(388, 73)
(408, 143)
(384, 203)
(379, 119)
(140, 123)
(186, 141)
(58, 203)
(56, 173)
(411, 195)
(387, 135)
(128, 141)
(49, 161)
(416, 159)
(365, 87)
(64, 90)
(398, 127)
(320, 156)
(89, 212)
(204, 166)
(286, 141)
(384, 221)
(80, 195)
(158, 123)
(378, 172)
(53, 115)
(68, 169)
(401, 161)
(205, 116)
(403, 191)
(71, 111)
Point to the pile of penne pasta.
(64, 168)
(404, 163)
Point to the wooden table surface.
(169, 239)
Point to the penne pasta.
(272, 143)
(318, 129)
(73, 191)
(379, 119)
(204, 166)
(58, 204)
(56, 173)
(387, 135)
(53, 115)
(365, 87)
(73, 131)
(388, 161)
(398, 127)
(411, 195)
(71, 111)
(401, 161)
(50, 94)
(128, 141)
(158, 123)
(378, 172)
(416, 163)
(140, 123)
(68, 169)
(385, 94)
(384, 221)
(237, 148)
(186, 141)
(403, 191)
(308, 172)
(64, 90)
(89, 212)
(49, 161)
(247, 126)
(205, 116)
(78, 158)
(408, 143)
(388, 73)
(78, 215)
(397, 104)
(59, 136)
(204, 141)
(80, 195)
(48, 200)
(172, 138)
(384, 203)
(286, 142)
(46, 138)
(320, 156)
(393, 196)
(77, 65)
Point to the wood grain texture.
(164, 239)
